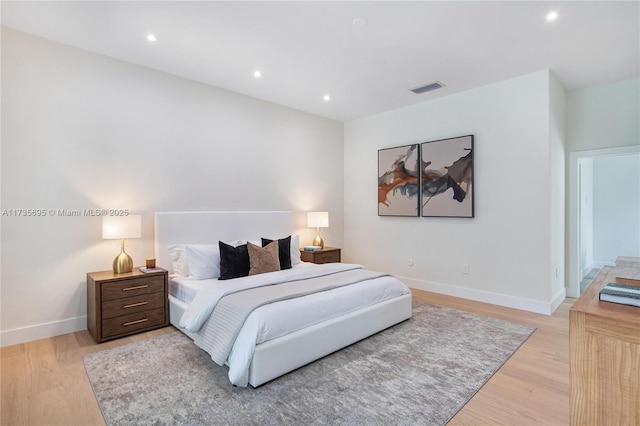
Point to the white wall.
(508, 244)
(601, 120)
(81, 130)
(557, 141)
(616, 207)
(84, 131)
(605, 116)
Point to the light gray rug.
(421, 371)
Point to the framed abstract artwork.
(398, 181)
(447, 177)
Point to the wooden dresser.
(122, 304)
(604, 350)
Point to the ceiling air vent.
(427, 88)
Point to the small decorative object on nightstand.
(122, 304)
(326, 255)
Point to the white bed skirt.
(279, 356)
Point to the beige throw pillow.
(263, 259)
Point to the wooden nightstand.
(122, 304)
(326, 255)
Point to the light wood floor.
(44, 382)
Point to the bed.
(345, 312)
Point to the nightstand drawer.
(329, 257)
(131, 305)
(132, 322)
(132, 287)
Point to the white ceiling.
(307, 49)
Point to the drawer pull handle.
(138, 287)
(133, 305)
(135, 322)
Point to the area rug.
(421, 371)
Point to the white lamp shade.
(318, 219)
(118, 227)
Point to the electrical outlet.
(465, 268)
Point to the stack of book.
(312, 248)
(149, 270)
(621, 293)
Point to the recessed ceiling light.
(257, 74)
(326, 98)
(359, 23)
(152, 38)
(552, 16)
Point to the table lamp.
(119, 228)
(318, 220)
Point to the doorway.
(604, 211)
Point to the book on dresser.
(621, 293)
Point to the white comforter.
(278, 319)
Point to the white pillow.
(178, 256)
(203, 260)
(295, 250)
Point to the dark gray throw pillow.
(284, 251)
(234, 261)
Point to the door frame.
(573, 257)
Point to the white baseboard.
(557, 300)
(546, 308)
(42, 331)
(56, 328)
(600, 265)
(586, 270)
(596, 264)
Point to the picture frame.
(399, 181)
(446, 184)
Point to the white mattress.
(185, 288)
(278, 319)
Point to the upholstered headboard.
(210, 227)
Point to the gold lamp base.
(123, 262)
(317, 241)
